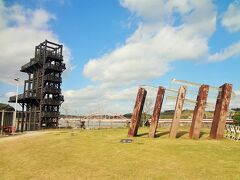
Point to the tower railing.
(52, 78)
(59, 68)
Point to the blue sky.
(113, 46)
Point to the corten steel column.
(221, 111)
(177, 112)
(137, 112)
(199, 112)
(156, 112)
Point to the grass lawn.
(98, 154)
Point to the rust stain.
(177, 112)
(156, 111)
(199, 112)
(137, 112)
(220, 113)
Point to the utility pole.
(15, 112)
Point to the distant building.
(42, 96)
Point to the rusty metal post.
(221, 111)
(199, 112)
(137, 112)
(156, 112)
(177, 112)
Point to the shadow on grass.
(142, 134)
(202, 133)
(161, 134)
(181, 133)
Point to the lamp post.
(15, 112)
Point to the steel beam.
(199, 112)
(221, 111)
(137, 112)
(177, 112)
(156, 112)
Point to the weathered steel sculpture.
(177, 112)
(137, 112)
(221, 111)
(199, 112)
(156, 112)
(42, 97)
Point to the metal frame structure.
(220, 113)
(42, 96)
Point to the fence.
(206, 123)
(233, 132)
(6, 119)
(122, 123)
(93, 123)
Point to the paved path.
(21, 135)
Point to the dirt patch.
(22, 135)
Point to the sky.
(112, 47)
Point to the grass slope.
(98, 154)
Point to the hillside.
(186, 114)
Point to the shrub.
(236, 118)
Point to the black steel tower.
(42, 96)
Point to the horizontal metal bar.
(211, 105)
(190, 101)
(151, 86)
(193, 84)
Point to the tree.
(236, 118)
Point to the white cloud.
(231, 18)
(21, 29)
(99, 99)
(231, 51)
(167, 31)
(103, 99)
(159, 40)
(235, 101)
(8, 94)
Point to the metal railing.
(32, 62)
(55, 67)
(93, 123)
(28, 94)
(51, 90)
(232, 132)
(52, 78)
(50, 114)
(53, 102)
(54, 54)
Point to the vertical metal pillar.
(17, 128)
(177, 112)
(221, 111)
(26, 117)
(199, 112)
(137, 112)
(23, 117)
(156, 112)
(34, 118)
(30, 119)
(2, 121)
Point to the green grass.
(98, 154)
